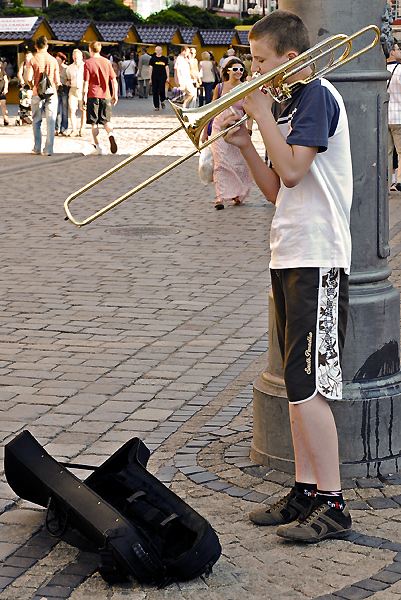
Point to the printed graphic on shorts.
(308, 353)
(329, 376)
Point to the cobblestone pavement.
(152, 322)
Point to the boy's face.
(264, 59)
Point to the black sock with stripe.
(307, 489)
(333, 499)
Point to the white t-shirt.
(310, 227)
(182, 72)
(207, 72)
(76, 74)
(394, 89)
(128, 67)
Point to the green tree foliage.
(251, 20)
(65, 10)
(97, 10)
(111, 10)
(18, 9)
(167, 17)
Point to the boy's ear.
(291, 54)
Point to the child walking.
(308, 177)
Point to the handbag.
(179, 95)
(44, 87)
(206, 165)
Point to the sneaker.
(286, 510)
(398, 187)
(99, 150)
(319, 523)
(113, 145)
(34, 152)
(393, 188)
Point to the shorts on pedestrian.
(75, 99)
(311, 307)
(2, 97)
(98, 111)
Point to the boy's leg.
(316, 439)
(312, 366)
(304, 471)
(298, 501)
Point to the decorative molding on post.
(386, 37)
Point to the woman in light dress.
(231, 175)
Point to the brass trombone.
(193, 120)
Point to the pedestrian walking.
(75, 81)
(3, 93)
(207, 78)
(23, 70)
(98, 76)
(128, 71)
(394, 115)
(62, 94)
(309, 179)
(159, 75)
(183, 78)
(231, 175)
(194, 70)
(143, 73)
(42, 62)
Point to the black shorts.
(98, 111)
(311, 307)
(2, 97)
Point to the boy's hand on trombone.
(257, 103)
(238, 136)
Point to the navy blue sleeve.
(315, 119)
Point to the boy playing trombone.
(308, 177)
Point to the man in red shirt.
(98, 74)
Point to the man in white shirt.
(394, 114)
(182, 71)
(75, 79)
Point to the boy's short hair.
(285, 30)
(95, 47)
(41, 42)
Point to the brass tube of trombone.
(120, 165)
(142, 185)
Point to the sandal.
(237, 201)
(219, 205)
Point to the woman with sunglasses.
(231, 174)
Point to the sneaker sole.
(332, 535)
(113, 145)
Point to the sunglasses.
(235, 69)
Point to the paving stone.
(352, 593)
(372, 585)
(369, 540)
(382, 503)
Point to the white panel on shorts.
(328, 371)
